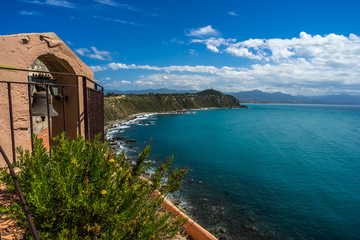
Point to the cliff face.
(120, 107)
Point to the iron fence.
(92, 100)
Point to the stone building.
(36, 63)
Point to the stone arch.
(53, 63)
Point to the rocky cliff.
(122, 106)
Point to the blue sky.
(296, 47)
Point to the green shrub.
(83, 190)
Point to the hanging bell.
(39, 106)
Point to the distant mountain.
(146, 91)
(258, 96)
(265, 97)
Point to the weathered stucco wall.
(21, 50)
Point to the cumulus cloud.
(202, 32)
(177, 81)
(213, 43)
(82, 51)
(98, 68)
(306, 65)
(116, 66)
(316, 49)
(94, 53)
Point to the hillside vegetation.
(122, 106)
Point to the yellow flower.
(112, 160)
(103, 192)
(73, 161)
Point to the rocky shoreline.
(119, 142)
(136, 116)
(132, 117)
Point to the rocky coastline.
(119, 142)
(134, 117)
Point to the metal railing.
(93, 86)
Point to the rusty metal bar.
(99, 91)
(92, 81)
(11, 122)
(96, 87)
(56, 73)
(40, 84)
(31, 120)
(48, 115)
(63, 105)
(78, 105)
(21, 196)
(85, 108)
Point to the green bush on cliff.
(82, 190)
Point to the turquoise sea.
(267, 172)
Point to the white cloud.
(213, 43)
(174, 40)
(176, 81)
(306, 65)
(107, 2)
(101, 55)
(105, 79)
(119, 5)
(82, 51)
(202, 32)
(97, 68)
(29, 13)
(94, 53)
(116, 66)
(232, 13)
(58, 3)
(114, 20)
(116, 84)
(193, 52)
(316, 49)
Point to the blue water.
(268, 172)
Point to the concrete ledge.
(191, 227)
